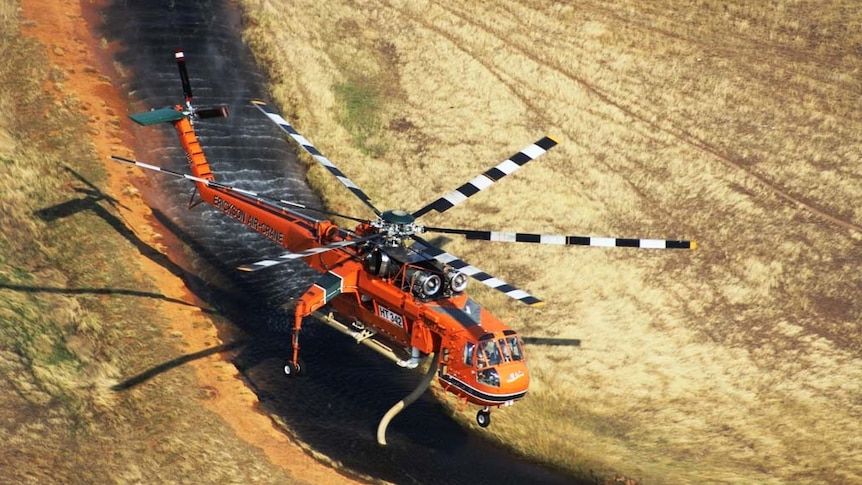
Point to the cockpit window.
(469, 350)
(507, 352)
(489, 354)
(489, 377)
(514, 348)
(491, 351)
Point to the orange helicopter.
(382, 283)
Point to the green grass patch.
(361, 112)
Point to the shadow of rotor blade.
(561, 342)
(93, 189)
(93, 202)
(103, 291)
(439, 241)
(65, 209)
(171, 364)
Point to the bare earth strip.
(731, 123)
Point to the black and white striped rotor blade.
(312, 150)
(438, 254)
(607, 242)
(268, 263)
(488, 178)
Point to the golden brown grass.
(733, 123)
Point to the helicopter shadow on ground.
(92, 199)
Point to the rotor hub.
(396, 226)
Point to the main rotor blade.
(488, 178)
(308, 147)
(568, 240)
(474, 272)
(210, 183)
(268, 263)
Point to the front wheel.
(291, 369)
(483, 418)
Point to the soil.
(61, 26)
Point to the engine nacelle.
(424, 284)
(456, 281)
(377, 263)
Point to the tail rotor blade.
(184, 75)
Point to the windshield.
(492, 352)
(489, 354)
(513, 346)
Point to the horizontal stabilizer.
(161, 115)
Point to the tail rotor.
(202, 113)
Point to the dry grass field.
(733, 123)
(77, 315)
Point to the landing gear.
(291, 369)
(483, 417)
(327, 287)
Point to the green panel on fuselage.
(331, 284)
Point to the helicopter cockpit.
(490, 352)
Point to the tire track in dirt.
(647, 20)
(683, 136)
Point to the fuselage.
(404, 296)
